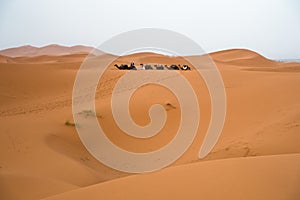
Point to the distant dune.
(235, 54)
(242, 57)
(41, 155)
(251, 60)
(50, 50)
(5, 59)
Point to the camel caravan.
(150, 67)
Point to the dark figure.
(125, 67)
(122, 67)
(173, 67)
(185, 67)
(142, 66)
(132, 67)
(159, 67)
(147, 67)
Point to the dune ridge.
(49, 50)
(246, 178)
(42, 156)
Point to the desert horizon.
(157, 100)
(42, 157)
(60, 50)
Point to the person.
(132, 65)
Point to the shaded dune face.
(257, 154)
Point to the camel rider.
(132, 64)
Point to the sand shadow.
(70, 145)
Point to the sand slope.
(50, 50)
(40, 156)
(267, 177)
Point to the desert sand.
(256, 157)
(49, 50)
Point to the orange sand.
(256, 157)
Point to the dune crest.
(247, 178)
(257, 155)
(50, 50)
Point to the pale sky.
(269, 27)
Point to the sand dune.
(242, 58)
(251, 61)
(235, 54)
(257, 153)
(50, 50)
(75, 58)
(5, 59)
(267, 177)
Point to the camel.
(172, 67)
(159, 67)
(142, 66)
(132, 66)
(185, 67)
(122, 66)
(125, 67)
(148, 67)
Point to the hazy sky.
(270, 27)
